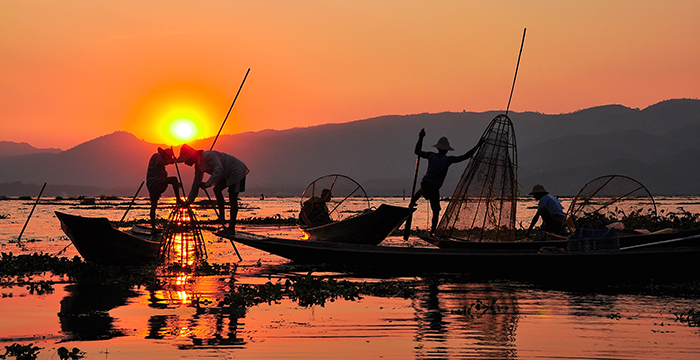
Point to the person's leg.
(154, 204)
(233, 198)
(176, 187)
(218, 188)
(435, 207)
(416, 196)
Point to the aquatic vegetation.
(21, 352)
(4, 216)
(309, 290)
(614, 316)
(680, 219)
(75, 353)
(480, 307)
(689, 316)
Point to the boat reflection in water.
(85, 311)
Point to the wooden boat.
(370, 227)
(625, 241)
(653, 261)
(97, 241)
(326, 202)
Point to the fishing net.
(182, 242)
(483, 205)
(613, 198)
(348, 198)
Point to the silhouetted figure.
(225, 171)
(550, 210)
(315, 212)
(157, 180)
(438, 164)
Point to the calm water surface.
(529, 321)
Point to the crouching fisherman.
(225, 171)
(157, 180)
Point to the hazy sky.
(71, 71)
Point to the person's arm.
(532, 223)
(468, 154)
(214, 163)
(419, 145)
(196, 184)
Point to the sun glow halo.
(183, 129)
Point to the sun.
(183, 129)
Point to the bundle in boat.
(182, 242)
(483, 205)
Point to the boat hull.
(369, 228)
(666, 264)
(97, 241)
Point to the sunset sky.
(71, 71)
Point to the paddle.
(132, 202)
(30, 216)
(409, 219)
(229, 110)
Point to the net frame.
(343, 189)
(483, 205)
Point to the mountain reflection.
(488, 328)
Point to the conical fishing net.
(182, 241)
(613, 198)
(483, 205)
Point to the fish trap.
(182, 242)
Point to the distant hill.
(657, 146)
(11, 148)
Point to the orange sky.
(71, 71)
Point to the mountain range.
(657, 146)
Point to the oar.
(409, 219)
(30, 215)
(691, 237)
(228, 235)
(132, 202)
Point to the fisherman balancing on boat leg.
(225, 171)
(157, 180)
(550, 210)
(438, 164)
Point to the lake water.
(529, 321)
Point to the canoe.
(681, 238)
(637, 264)
(97, 241)
(370, 227)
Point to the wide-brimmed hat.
(538, 189)
(167, 154)
(443, 144)
(186, 152)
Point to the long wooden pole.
(409, 219)
(229, 110)
(516, 71)
(132, 202)
(30, 214)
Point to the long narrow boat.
(660, 263)
(370, 227)
(97, 241)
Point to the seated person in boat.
(225, 171)
(438, 164)
(550, 210)
(157, 180)
(315, 212)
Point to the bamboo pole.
(30, 215)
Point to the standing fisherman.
(225, 171)
(438, 164)
(157, 180)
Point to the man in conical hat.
(438, 164)
(157, 180)
(550, 210)
(225, 171)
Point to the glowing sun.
(183, 129)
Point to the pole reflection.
(463, 320)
